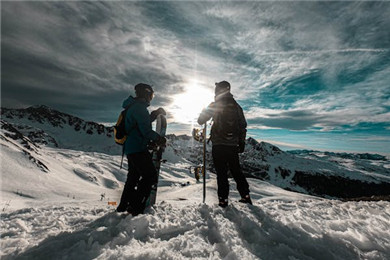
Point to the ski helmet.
(145, 91)
(222, 87)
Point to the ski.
(161, 128)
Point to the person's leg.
(133, 177)
(220, 164)
(235, 169)
(148, 175)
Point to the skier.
(142, 173)
(228, 134)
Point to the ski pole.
(204, 161)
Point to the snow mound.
(271, 229)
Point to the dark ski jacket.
(211, 112)
(138, 126)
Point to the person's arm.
(142, 119)
(241, 118)
(242, 123)
(206, 114)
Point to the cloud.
(292, 65)
(346, 119)
(293, 120)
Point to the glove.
(241, 147)
(161, 141)
(157, 112)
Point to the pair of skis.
(200, 136)
(157, 151)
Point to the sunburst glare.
(187, 106)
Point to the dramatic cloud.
(298, 67)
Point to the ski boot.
(246, 199)
(121, 207)
(223, 202)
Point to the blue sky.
(309, 75)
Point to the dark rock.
(283, 172)
(340, 187)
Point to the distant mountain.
(324, 174)
(47, 126)
(368, 156)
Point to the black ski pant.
(140, 178)
(226, 157)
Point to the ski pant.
(140, 178)
(226, 157)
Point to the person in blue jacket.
(142, 173)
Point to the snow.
(60, 214)
(280, 224)
(274, 228)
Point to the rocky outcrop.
(339, 187)
(29, 148)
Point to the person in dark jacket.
(142, 173)
(228, 134)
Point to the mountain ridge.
(62, 130)
(327, 174)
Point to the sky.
(309, 75)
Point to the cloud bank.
(295, 66)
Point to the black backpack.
(226, 121)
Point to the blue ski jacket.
(138, 126)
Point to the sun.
(187, 106)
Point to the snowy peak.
(353, 156)
(48, 126)
(266, 149)
(43, 115)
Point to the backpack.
(120, 134)
(226, 122)
(119, 129)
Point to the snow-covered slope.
(318, 175)
(328, 176)
(324, 174)
(54, 203)
(44, 125)
(36, 172)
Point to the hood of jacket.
(132, 100)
